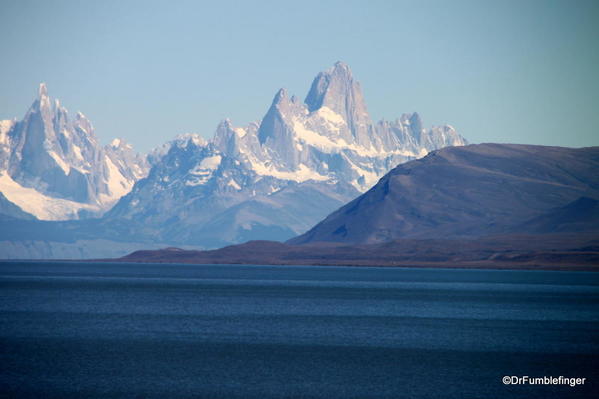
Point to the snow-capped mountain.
(276, 178)
(52, 166)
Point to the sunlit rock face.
(275, 178)
(52, 166)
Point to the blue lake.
(219, 331)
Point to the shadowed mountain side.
(578, 216)
(260, 217)
(470, 191)
(563, 251)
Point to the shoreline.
(407, 265)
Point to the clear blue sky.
(499, 71)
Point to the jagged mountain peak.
(339, 71)
(225, 127)
(290, 137)
(225, 136)
(80, 116)
(342, 70)
(281, 96)
(185, 140)
(42, 103)
(332, 85)
(182, 140)
(84, 124)
(335, 89)
(273, 124)
(271, 179)
(415, 123)
(42, 91)
(226, 123)
(120, 143)
(53, 167)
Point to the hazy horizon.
(146, 72)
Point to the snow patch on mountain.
(5, 127)
(299, 175)
(42, 206)
(118, 185)
(270, 179)
(49, 157)
(323, 143)
(210, 163)
(277, 177)
(234, 184)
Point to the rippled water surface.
(215, 331)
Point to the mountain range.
(272, 179)
(487, 205)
